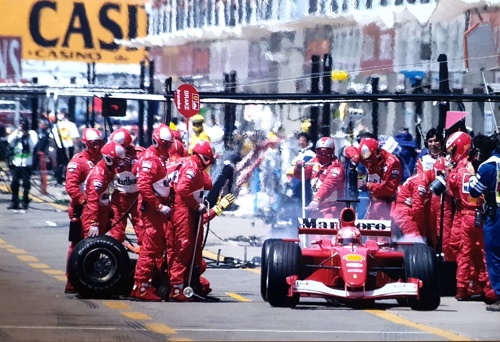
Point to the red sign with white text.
(187, 100)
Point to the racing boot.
(475, 291)
(462, 294)
(69, 288)
(494, 307)
(143, 292)
(177, 294)
(490, 297)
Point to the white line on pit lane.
(50, 327)
(304, 331)
(122, 328)
(51, 224)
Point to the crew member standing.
(327, 178)
(95, 216)
(486, 181)
(77, 172)
(125, 195)
(22, 143)
(191, 185)
(155, 203)
(383, 178)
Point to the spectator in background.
(43, 142)
(408, 148)
(66, 132)
(22, 143)
(434, 141)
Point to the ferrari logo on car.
(353, 257)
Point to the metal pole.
(444, 88)
(34, 108)
(140, 117)
(327, 89)
(418, 110)
(151, 104)
(87, 100)
(375, 106)
(314, 90)
(168, 90)
(92, 121)
(227, 113)
(72, 103)
(487, 91)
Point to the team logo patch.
(146, 166)
(72, 166)
(90, 164)
(353, 257)
(395, 173)
(422, 190)
(190, 174)
(98, 184)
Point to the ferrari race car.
(352, 261)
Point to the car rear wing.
(324, 226)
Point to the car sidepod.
(284, 260)
(421, 263)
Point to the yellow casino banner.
(71, 30)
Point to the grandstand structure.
(270, 43)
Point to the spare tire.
(266, 246)
(99, 267)
(421, 263)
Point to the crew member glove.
(201, 207)
(226, 201)
(299, 164)
(164, 209)
(93, 231)
(313, 206)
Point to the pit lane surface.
(33, 247)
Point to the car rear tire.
(421, 263)
(99, 267)
(266, 246)
(284, 260)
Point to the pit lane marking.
(39, 265)
(17, 251)
(117, 305)
(238, 297)
(428, 329)
(140, 316)
(160, 328)
(277, 331)
(27, 258)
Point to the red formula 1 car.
(331, 261)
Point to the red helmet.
(121, 136)
(457, 147)
(349, 235)
(368, 149)
(205, 151)
(176, 135)
(177, 148)
(325, 150)
(162, 139)
(139, 149)
(92, 142)
(112, 153)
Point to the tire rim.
(99, 265)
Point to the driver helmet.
(349, 235)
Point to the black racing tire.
(266, 246)
(99, 267)
(284, 260)
(421, 263)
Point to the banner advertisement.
(71, 30)
(10, 59)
